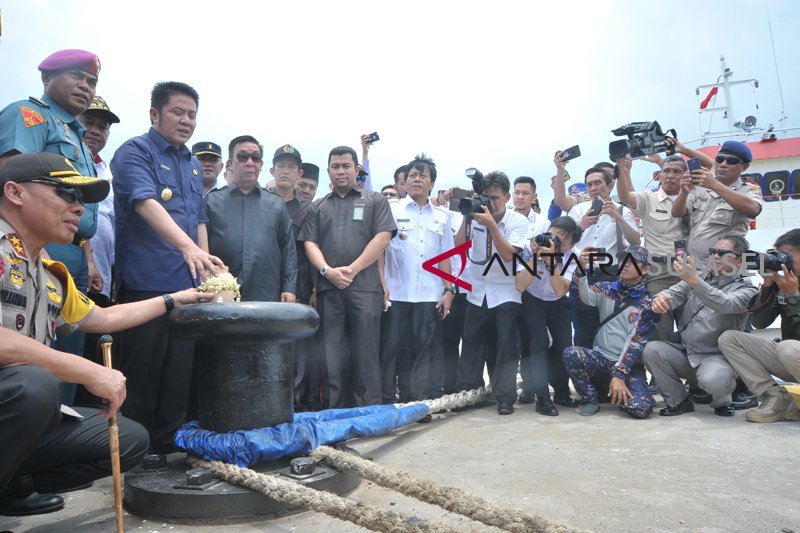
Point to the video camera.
(644, 138)
(474, 204)
(773, 260)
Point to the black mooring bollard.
(245, 360)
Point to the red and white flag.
(711, 94)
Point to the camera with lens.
(546, 240)
(474, 204)
(644, 138)
(773, 260)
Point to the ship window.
(794, 183)
(776, 185)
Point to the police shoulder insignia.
(17, 246)
(52, 292)
(31, 117)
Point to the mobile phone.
(373, 137)
(571, 153)
(693, 164)
(680, 249)
(597, 206)
(440, 312)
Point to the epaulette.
(37, 101)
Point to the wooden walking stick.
(113, 439)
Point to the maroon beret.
(71, 59)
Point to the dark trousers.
(587, 321)
(591, 375)
(351, 322)
(59, 452)
(159, 369)
(412, 360)
(499, 323)
(545, 365)
(452, 333)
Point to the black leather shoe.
(526, 397)
(425, 419)
(700, 396)
(566, 401)
(505, 409)
(744, 400)
(725, 410)
(686, 406)
(545, 407)
(20, 499)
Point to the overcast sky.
(498, 85)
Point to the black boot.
(20, 498)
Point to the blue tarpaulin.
(306, 432)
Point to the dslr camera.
(474, 204)
(644, 138)
(773, 260)
(545, 240)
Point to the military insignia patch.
(16, 277)
(194, 171)
(288, 149)
(31, 117)
(166, 194)
(17, 246)
(20, 321)
(52, 292)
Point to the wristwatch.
(324, 270)
(451, 290)
(793, 299)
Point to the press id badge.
(358, 211)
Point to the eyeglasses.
(389, 194)
(722, 252)
(242, 157)
(68, 194)
(730, 160)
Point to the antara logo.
(461, 251)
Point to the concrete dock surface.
(607, 473)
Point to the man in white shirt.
(493, 303)
(607, 229)
(411, 335)
(524, 197)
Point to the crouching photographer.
(756, 359)
(493, 303)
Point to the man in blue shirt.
(161, 246)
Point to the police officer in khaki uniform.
(720, 203)
(47, 448)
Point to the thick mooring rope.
(448, 498)
(296, 495)
(458, 399)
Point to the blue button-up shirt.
(148, 167)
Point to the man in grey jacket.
(715, 303)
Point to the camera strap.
(620, 247)
(488, 254)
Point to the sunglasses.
(242, 157)
(730, 160)
(68, 194)
(389, 194)
(722, 253)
